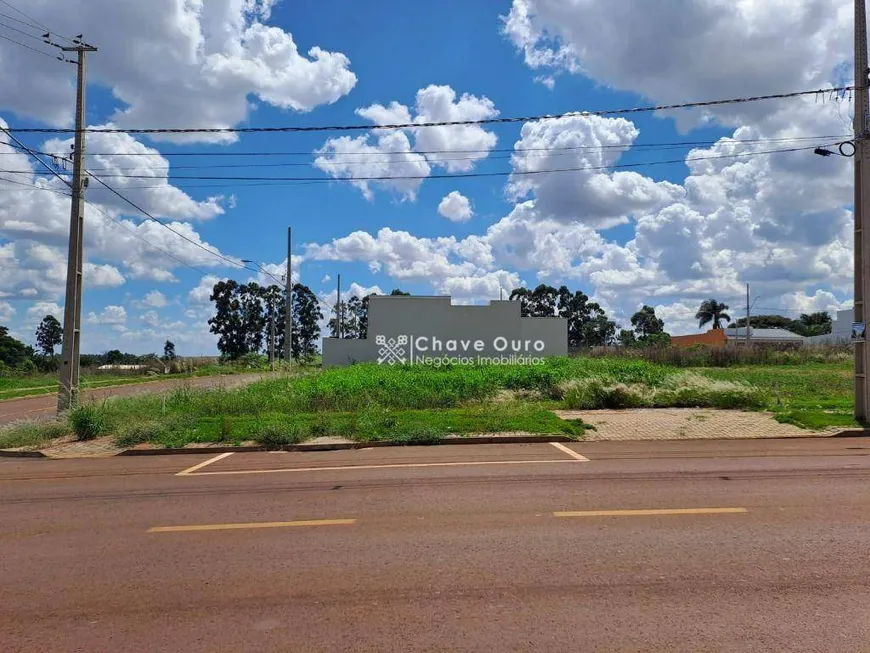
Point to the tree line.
(244, 313)
(588, 323)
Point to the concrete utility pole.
(862, 210)
(288, 300)
(747, 314)
(67, 395)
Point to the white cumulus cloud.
(456, 207)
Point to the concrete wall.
(410, 329)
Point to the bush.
(418, 435)
(276, 436)
(87, 422)
(686, 390)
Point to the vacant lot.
(423, 404)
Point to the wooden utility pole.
(861, 210)
(67, 395)
(288, 300)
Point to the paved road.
(12, 410)
(414, 549)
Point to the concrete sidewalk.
(686, 424)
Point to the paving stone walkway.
(685, 424)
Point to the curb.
(852, 433)
(7, 453)
(345, 446)
(337, 446)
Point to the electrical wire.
(33, 21)
(24, 45)
(419, 125)
(166, 226)
(534, 153)
(131, 203)
(555, 148)
(466, 175)
(107, 215)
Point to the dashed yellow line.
(267, 524)
(650, 512)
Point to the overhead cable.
(443, 123)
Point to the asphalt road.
(751, 546)
(42, 406)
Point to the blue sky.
(668, 235)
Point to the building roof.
(764, 334)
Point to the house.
(737, 336)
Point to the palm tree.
(712, 311)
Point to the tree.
(588, 325)
(49, 334)
(13, 352)
(765, 322)
(350, 312)
(712, 311)
(227, 322)
(646, 324)
(626, 338)
(114, 357)
(540, 302)
(814, 324)
(397, 292)
(364, 316)
(169, 351)
(306, 322)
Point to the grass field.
(423, 404)
(815, 395)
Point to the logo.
(392, 350)
(431, 350)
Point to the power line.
(665, 145)
(143, 239)
(131, 203)
(445, 123)
(534, 153)
(21, 31)
(163, 224)
(33, 21)
(465, 175)
(24, 45)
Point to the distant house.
(122, 368)
(737, 336)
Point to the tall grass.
(730, 356)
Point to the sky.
(704, 203)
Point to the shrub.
(418, 435)
(87, 422)
(686, 390)
(132, 434)
(276, 436)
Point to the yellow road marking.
(267, 524)
(390, 466)
(190, 470)
(573, 454)
(657, 511)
